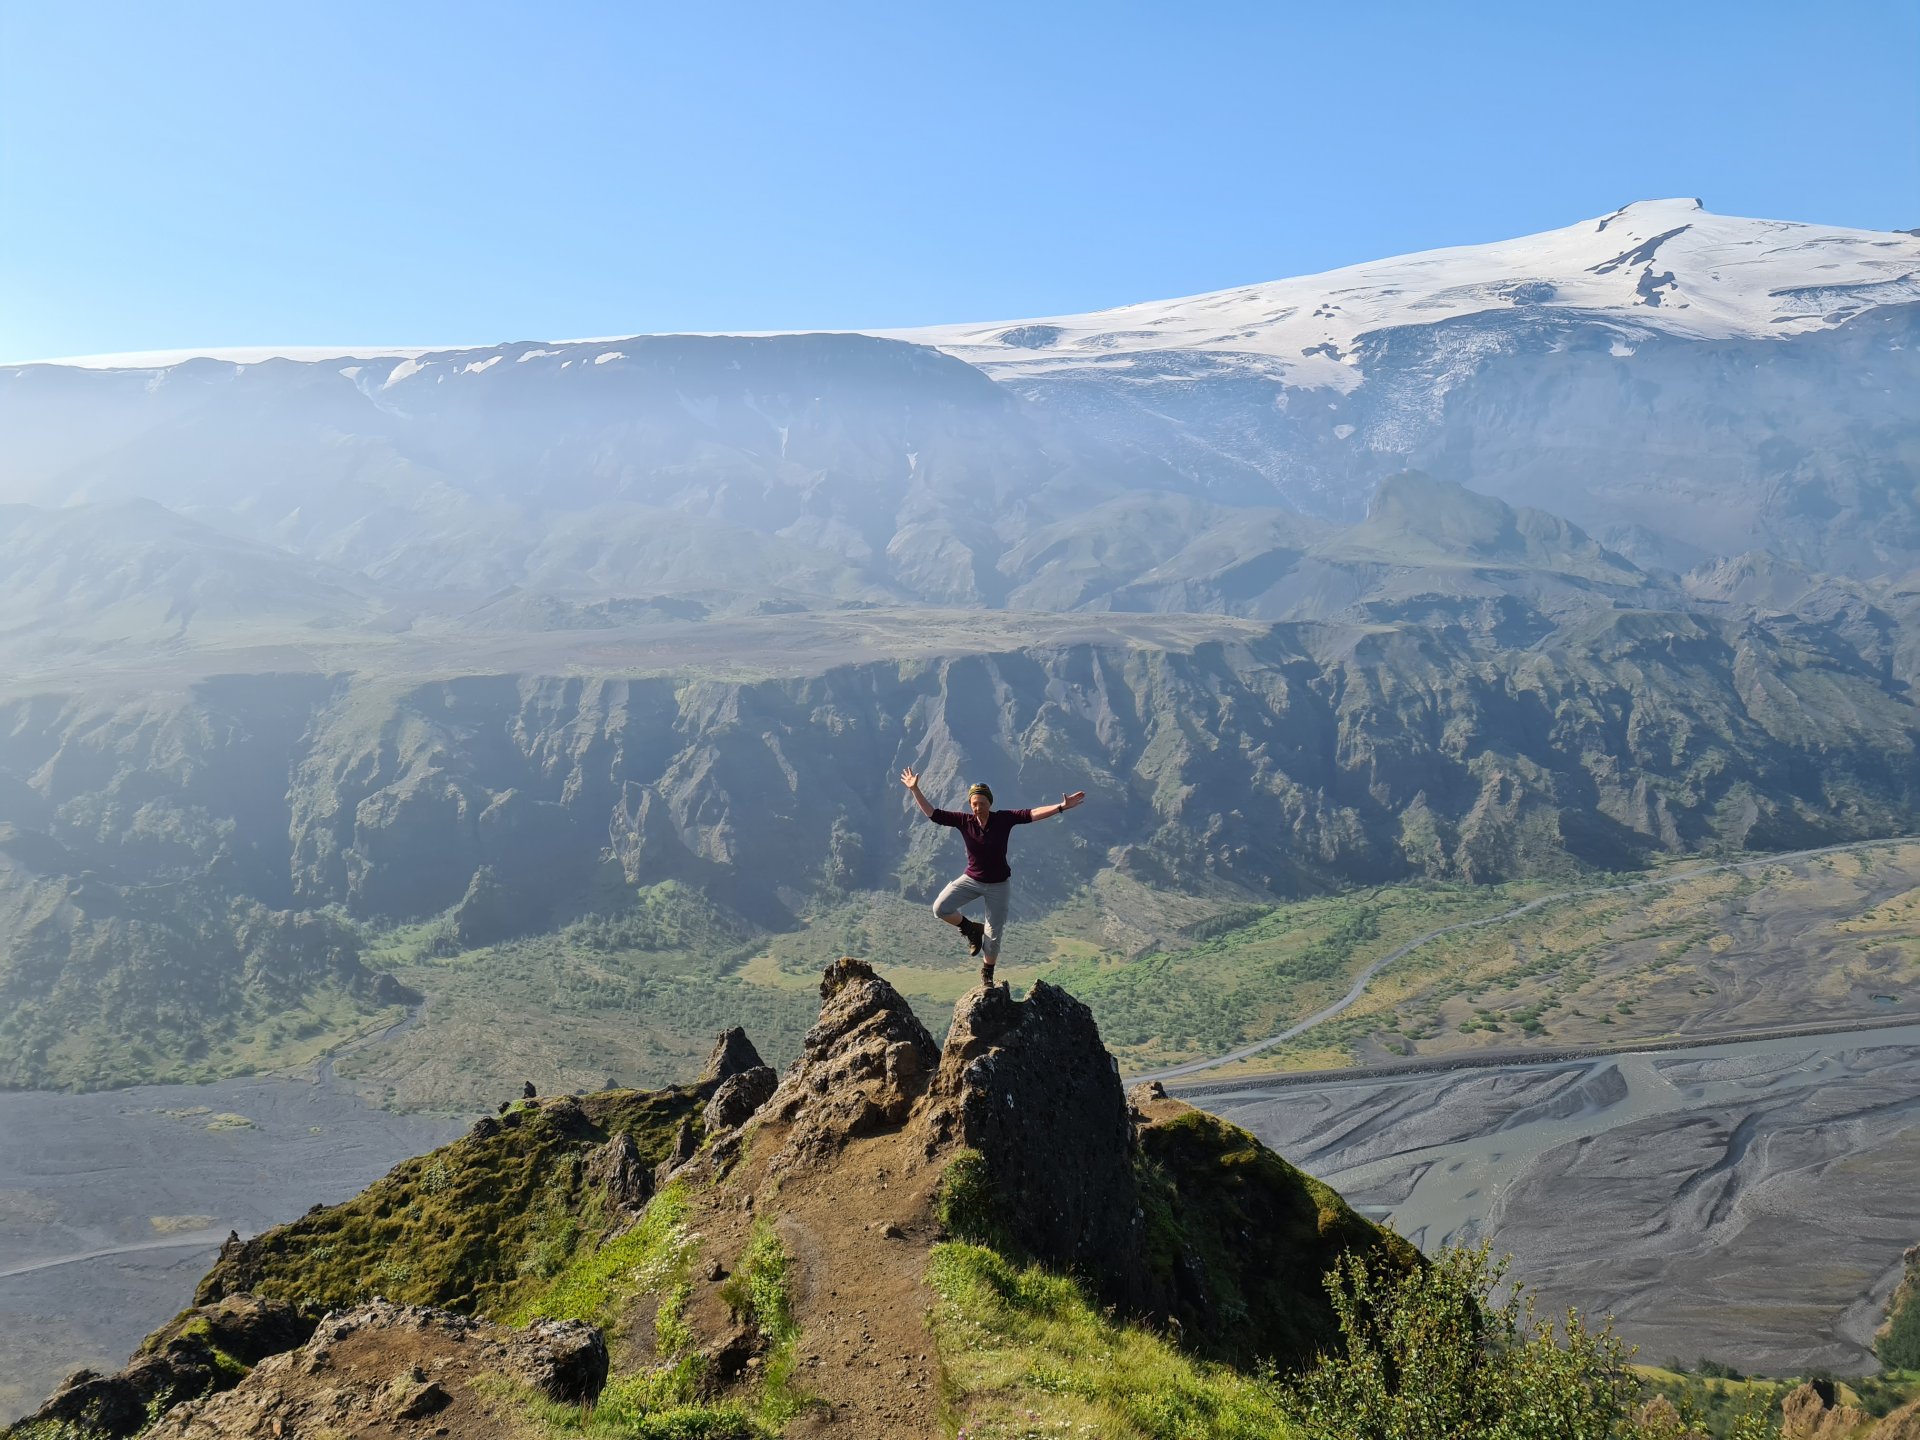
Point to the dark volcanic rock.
(861, 1068)
(686, 1144)
(739, 1096)
(732, 1054)
(188, 1357)
(367, 1367)
(1029, 1085)
(617, 1169)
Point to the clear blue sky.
(198, 173)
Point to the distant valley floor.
(1746, 1203)
(146, 1182)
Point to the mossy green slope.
(1026, 1352)
(1898, 1341)
(479, 1226)
(1263, 1234)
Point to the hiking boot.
(986, 974)
(975, 932)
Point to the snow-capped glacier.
(1665, 267)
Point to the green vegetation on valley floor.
(633, 995)
(1698, 951)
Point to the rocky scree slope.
(631, 1234)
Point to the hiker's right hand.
(910, 778)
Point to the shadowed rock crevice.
(199, 1352)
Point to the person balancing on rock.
(985, 831)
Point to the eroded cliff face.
(1306, 756)
(227, 822)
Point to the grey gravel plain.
(113, 1204)
(1746, 1203)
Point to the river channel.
(1746, 1202)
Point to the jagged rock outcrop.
(686, 1144)
(1172, 1215)
(365, 1369)
(1808, 1414)
(738, 1096)
(1811, 1412)
(732, 1054)
(1028, 1085)
(195, 1354)
(861, 1068)
(1660, 1417)
(616, 1167)
(1902, 1424)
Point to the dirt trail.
(859, 1233)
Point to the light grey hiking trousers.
(963, 892)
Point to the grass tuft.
(761, 1289)
(1026, 1353)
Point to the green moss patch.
(1241, 1239)
(761, 1290)
(483, 1226)
(967, 1204)
(652, 1257)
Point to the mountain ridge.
(629, 1215)
(1684, 386)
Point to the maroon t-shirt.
(986, 844)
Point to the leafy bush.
(1898, 1346)
(1427, 1355)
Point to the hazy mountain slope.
(1684, 386)
(1299, 757)
(1707, 383)
(837, 464)
(154, 831)
(133, 571)
(96, 584)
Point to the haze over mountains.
(1566, 551)
(1682, 385)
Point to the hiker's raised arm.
(1067, 802)
(910, 778)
